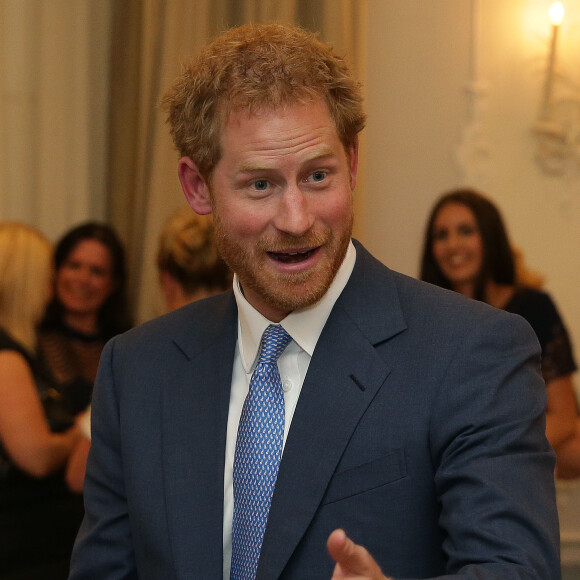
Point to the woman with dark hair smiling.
(89, 307)
(466, 249)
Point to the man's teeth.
(291, 256)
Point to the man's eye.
(261, 185)
(318, 176)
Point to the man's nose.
(294, 215)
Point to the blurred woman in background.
(39, 517)
(89, 307)
(189, 264)
(467, 249)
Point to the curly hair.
(187, 251)
(498, 259)
(255, 67)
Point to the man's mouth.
(292, 257)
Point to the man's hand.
(352, 561)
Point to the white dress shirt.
(304, 326)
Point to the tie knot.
(274, 340)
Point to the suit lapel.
(195, 410)
(344, 376)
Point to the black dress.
(540, 311)
(39, 518)
(73, 359)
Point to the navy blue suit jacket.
(419, 430)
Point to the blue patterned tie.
(257, 457)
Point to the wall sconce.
(558, 125)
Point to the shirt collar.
(304, 325)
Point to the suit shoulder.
(196, 321)
(448, 308)
(386, 301)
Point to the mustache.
(284, 241)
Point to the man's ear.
(353, 161)
(194, 186)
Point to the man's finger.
(351, 558)
(338, 545)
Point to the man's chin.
(294, 296)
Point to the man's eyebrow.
(250, 167)
(321, 155)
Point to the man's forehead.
(255, 137)
(243, 112)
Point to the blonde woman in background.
(190, 267)
(39, 516)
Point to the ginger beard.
(284, 291)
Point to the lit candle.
(556, 13)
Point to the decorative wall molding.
(473, 154)
(558, 138)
